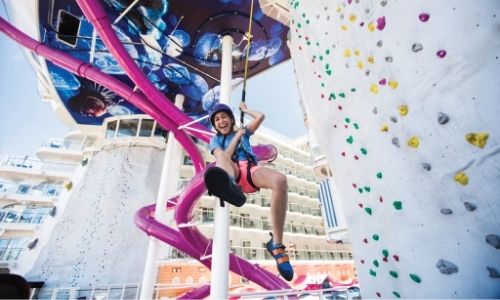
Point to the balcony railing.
(207, 217)
(43, 189)
(63, 144)
(25, 217)
(34, 164)
(10, 254)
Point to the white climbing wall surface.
(96, 241)
(404, 98)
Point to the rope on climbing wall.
(248, 35)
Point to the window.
(110, 130)
(146, 127)
(128, 127)
(67, 28)
(160, 132)
(23, 189)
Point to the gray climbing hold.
(389, 59)
(375, 111)
(446, 211)
(393, 119)
(426, 166)
(379, 43)
(383, 2)
(470, 206)
(367, 72)
(395, 142)
(446, 267)
(493, 240)
(443, 118)
(493, 272)
(417, 47)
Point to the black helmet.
(218, 108)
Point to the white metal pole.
(168, 186)
(220, 246)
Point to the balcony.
(29, 193)
(17, 169)
(61, 149)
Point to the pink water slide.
(187, 239)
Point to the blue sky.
(25, 120)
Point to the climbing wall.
(96, 241)
(404, 98)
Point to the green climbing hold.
(329, 72)
(373, 273)
(415, 278)
(299, 25)
(397, 205)
(375, 263)
(364, 151)
(368, 210)
(360, 190)
(350, 139)
(356, 126)
(332, 96)
(347, 120)
(376, 237)
(367, 189)
(327, 51)
(353, 90)
(394, 274)
(379, 175)
(303, 15)
(385, 253)
(342, 95)
(396, 294)
(322, 84)
(321, 57)
(307, 21)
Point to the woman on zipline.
(234, 155)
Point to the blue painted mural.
(176, 44)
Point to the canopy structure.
(175, 43)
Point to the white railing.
(113, 291)
(35, 164)
(43, 189)
(22, 217)
(10, 254)
(63, 144)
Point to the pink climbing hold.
(382, 81)
(441, 53)
(349, 1)
(424, 17)
(381, 23)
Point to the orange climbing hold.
(403, 110)
(414, 142)
(462, 178)
(478, 139)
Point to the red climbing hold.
(360, 205)
(381, 199)
(441, 53)
(396, 257)
(385, 259)
(365, 240)
(381, 23)
(423, 17)
(378, 294)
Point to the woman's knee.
(281, 183)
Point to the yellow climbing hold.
(384, 128)
(477, 139)
(360, 65)
(414, 142)
(352, 18)
(371, 59)
(374, 88)
(343, 27)
(371, 27)
(347, 53)
(357, 52)
(339, 8)
(393, 84)
(462, 178)
(403, 110)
